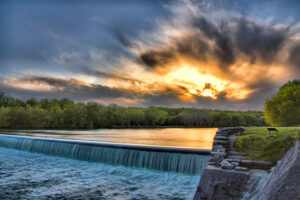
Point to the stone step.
(222, 134)
(241, 168)
(219, 150)
(234, 157)
(218, 146)
(256, 163)
(212, 163)
(235, 153)
(233, 160)
(217, 137)
(220, 142)
(217, 153)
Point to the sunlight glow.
(197, 84)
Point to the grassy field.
(260, 145)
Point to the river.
(28, 175)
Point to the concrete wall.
(220, 184)
(284, 181)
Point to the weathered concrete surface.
(219, 184)
(284, 181)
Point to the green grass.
(262, 146)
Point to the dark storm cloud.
(157, 58)
(259, 41)
(191, 46)
(223, 48)
(230, 39)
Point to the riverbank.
(258, 144)
(230, 176)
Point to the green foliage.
(284, 108)
(155, 116)
(260, 145)
(64, 113)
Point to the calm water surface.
(200, 138)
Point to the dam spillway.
(181, 160)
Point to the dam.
(190, 161)
(170, 163)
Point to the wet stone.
(226, 165)
(241, 168)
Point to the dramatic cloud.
(225, 42)
(209, 54)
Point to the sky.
(212, 54)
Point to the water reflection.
(200, 138)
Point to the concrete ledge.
(219, 184)
(256, 164)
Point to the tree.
(36, 117)
(155, 116)
(238, 120)
(137, 116)
(74, 116)
(187, 118)
(4, 120)
(17, 117)
(32, 102)
(63, 113)
(283, 109)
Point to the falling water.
(188, 161)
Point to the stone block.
(219, 184)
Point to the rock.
(241, 168)
(220, 138)
(212, 163)
(234, 163)
(223, 150)
(218, 153)
(233, 160)
(222, 142)
(226, 165)
(220, 133)
(218, 147)
(217, 156)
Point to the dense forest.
(65, 114)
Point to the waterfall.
(188, 161)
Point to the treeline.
(65, 114)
